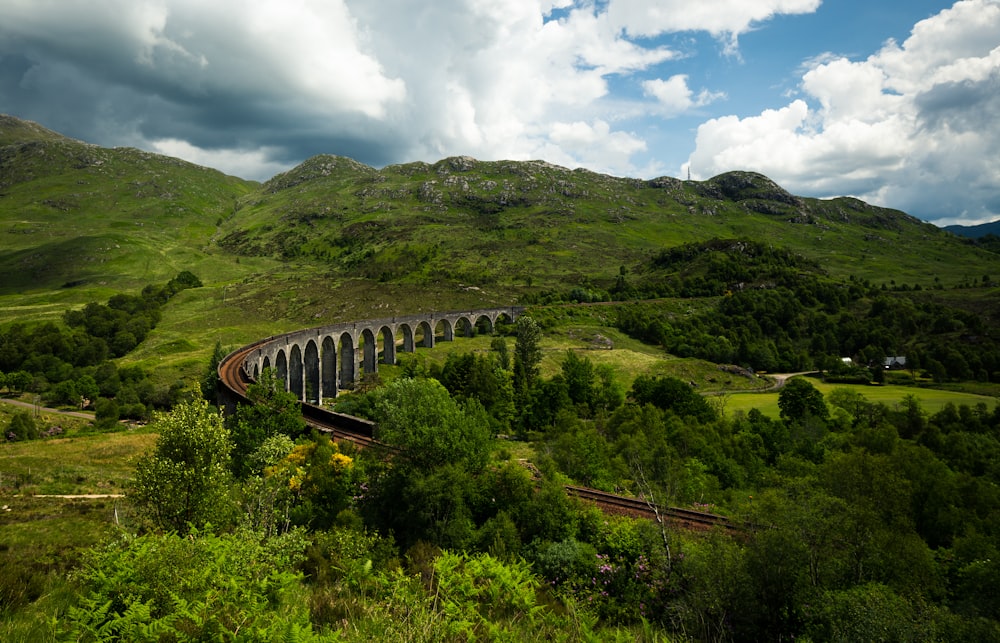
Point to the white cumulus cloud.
(674, 95)
(722, 18)
(912, 126)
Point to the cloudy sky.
(895, 102)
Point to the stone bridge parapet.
(317, 362)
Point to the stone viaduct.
(318, 362)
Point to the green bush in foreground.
(185, 482)
(201, 587)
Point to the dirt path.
(45, 409)
(84, 496)
(781, 378)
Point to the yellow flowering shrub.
(318, 475)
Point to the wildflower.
(341, 461)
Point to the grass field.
(932, 400)
(81, 463)
(42, 538)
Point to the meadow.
(931, 400)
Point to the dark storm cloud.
(966, 105)
(210, 77)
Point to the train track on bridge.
(233, 378)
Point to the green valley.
(662, 322)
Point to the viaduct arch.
(318, 362)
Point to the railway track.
(637, 507)
(231, 372)
(361, 432)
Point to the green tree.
(799, 398)
(431, 504)
(545, 399)
(106, 413)
(431, 428)
(22, 426)
(185, 481)
(210, 382)
(527, 355)
(608, 394)
(718, 588)
(579, 375)
(911, 418)
(480, 377)
(499, 346)
(87, 387)
(18, 381)
(582, 452)
(671, 394)
(64, 393)
(184, 279)
(848, 399)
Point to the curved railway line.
(233, 382)
(342, 427)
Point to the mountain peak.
(318, 167)
(14, 130)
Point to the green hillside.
(514, 224)
(79, 221)
(78, 216)
(335, 240)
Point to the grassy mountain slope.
(335, 240)
(510, 224)
(78, 216)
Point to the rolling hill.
(76, 215)
(516, 224)
(336, 240)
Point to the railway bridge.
(317, 362)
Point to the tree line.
(72, 364)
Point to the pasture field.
(79, 463)
(931, 400)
